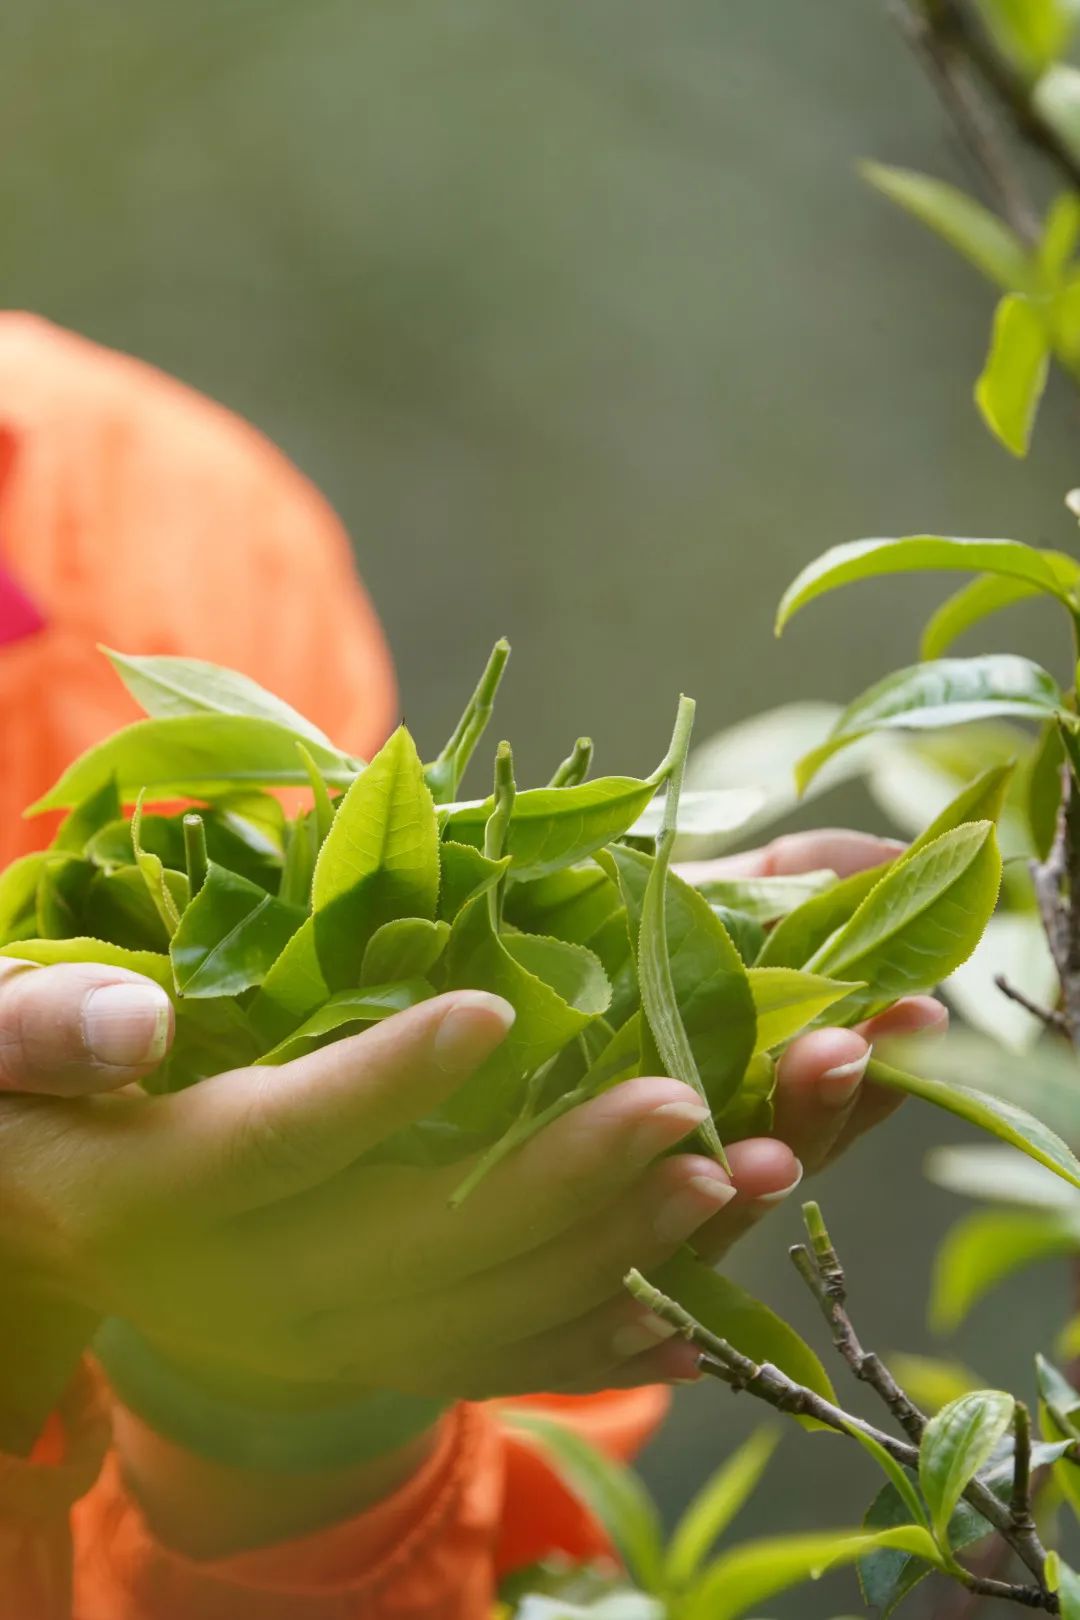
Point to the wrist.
(273, 1428)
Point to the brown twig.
(824, 1276)
(767, 1383)
(1052, 1019)
(939, 50)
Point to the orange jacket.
(136, 513)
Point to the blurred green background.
(582, 319)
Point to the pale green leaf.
(610, 1490)
(957, 1442)
(170, 687)
(368, 1006)
(406, 948)
(975, 233)
(1001, 1175)
(945, 692)
(786, 1000)
(982, 1250)
(1053, 572)
(968, 606)
(715, 1506)
(1011, 384)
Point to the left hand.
(822, 1103)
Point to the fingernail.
(783, 1192)
(663, 1127)
(837, 1086)
(691, 1207)
(465, 1038)
(645, 1333)
(127, 1025)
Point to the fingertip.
(821, 1052)
(763, 1168)
(472, 1025)
(127, 1025)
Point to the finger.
(765, 1172)
(561, 1281)
(264, 1133)
(590, 1352)
(76, 1028)
(832, 849)
(916, 1015)
(817, 1080)
(566, 1173)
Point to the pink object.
(19, 616)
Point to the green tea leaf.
(406, 948)
(18, 894)
(63, 889)
(1043, 789)
(170, 687)
(765, 899)
(898, 1477)
(1011, 384)
(750, 1111)
(367, 1006)
(786, 1000)
(230, 936)
(520, 968)
(555, 827)
(708, 977)
(466, 874)
(212, 1036)
(932, 1382)
(47, 952)
(969, 606)
(87, 818)
(986, 1171)
(803, 932)
(611, 1491)
(976, 234)
(946, 692)
(573, 903)
(981, 1250)
(919, 923)
(195, 757)
(714, 1507)
(153, 871)
(739, 1580)
(956, 1444)
(1066, 1583)
(1053, 572)
(1002, 1119)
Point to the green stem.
(195, 851)
(444, 774)
(575, 767)
(523, 1130)
(498, 823)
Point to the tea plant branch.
(767, 1383)
(952, 20)
(824, 1276)
(939, 50)
(575, 767)
(1053, 1020)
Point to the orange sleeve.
(485, 1503)
(137, 513)
(36, 1499)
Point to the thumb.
(75, 1028)
(262, 1134)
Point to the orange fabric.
(138, 514)
(485, 1503)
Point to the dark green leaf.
(230, 936)
(573, 903)
(466, 874)
(160, 890)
